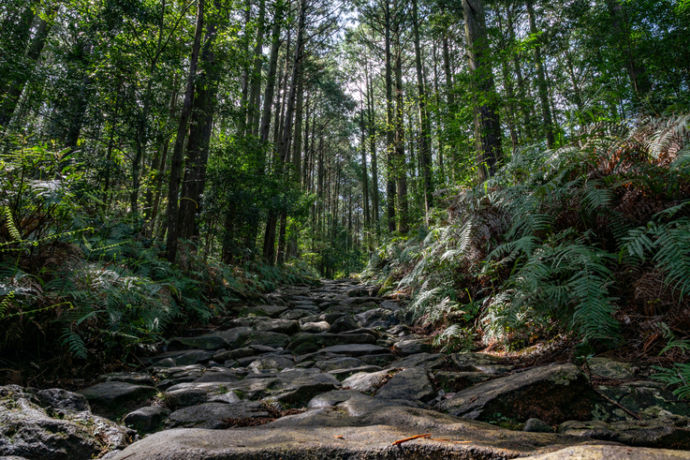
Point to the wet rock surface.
(333, 372)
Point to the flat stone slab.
(354, 349)
(367, 382)
(344, 362)
(207, 342)
(648, 433)
(411, 346)
(115, 397)
(609, 452)
(215, 415)
(370, 442)
(306, 342)
(267, 310)
(411, 384)
(183, 357)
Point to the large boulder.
(553, 393)
(54, 425)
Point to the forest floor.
(334, 371)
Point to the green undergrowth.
(76, 286)
(590, 240)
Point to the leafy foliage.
(102, 284)
(550, 242)
(678, 375)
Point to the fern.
(673, 254)
(669, 245)
(596, 197)
(454, 338)
(74, 343)
(679, 374)
(5, 304)
(11, 227)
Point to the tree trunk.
(425, 127)
(400, 163)
(637, 73)
(142, 122)
(297, 144)
(372, 148)
(244, 94)
(439, 124)
(255, 82)
(487, 126)
(8, 101)
(508, 84)
(154, 193)
(271, 77)
(176, 163)
(365, 174)
(286, 136)
(15, 35)
(390, 134)
(201, 124)
(541, 80)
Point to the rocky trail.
(333, 371)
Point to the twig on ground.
(411, 438)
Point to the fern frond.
(11, 226)
(637, 243)
(596, 197)
(74, 343)
(673, 254)
(5, 304)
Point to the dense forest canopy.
(312, 129)
(145, 141)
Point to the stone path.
(334, 372)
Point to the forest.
(481, 190)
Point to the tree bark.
(365, 173)
(372, 147)
(541, 80)
(400, 163)
(201, 124)
(425, 127)
(8, 101)
(286, 135)
(487, 126)
(176, 161)
(390, 133)
(639, 80)
(255, 81)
